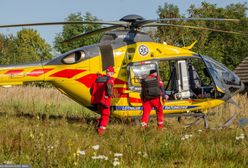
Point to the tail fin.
(190, 46)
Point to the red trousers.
(147, 107)
(105, 113)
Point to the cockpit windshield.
(225, 80)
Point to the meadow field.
(44, 128)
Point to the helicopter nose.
(242, 87)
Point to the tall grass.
(36, 100)
(58, 143)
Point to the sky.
(28, 11)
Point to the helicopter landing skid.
(198, 118)
(228, 122)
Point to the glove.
(166, 97)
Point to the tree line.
(27, 46)
(230, 49)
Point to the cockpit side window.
(74, 57)
(201, 83)
(198, 73)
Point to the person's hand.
(105, 97)
(166, 97)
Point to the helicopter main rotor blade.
(144, 23)
(193, 27)
(83, 35)
(141, 23)
(119, 23)
(197, 19)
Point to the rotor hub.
(132, 18)
(132, 21)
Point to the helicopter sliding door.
(226, 82)
(107, 56)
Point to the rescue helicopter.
(194, 83)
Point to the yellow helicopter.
(194, 83)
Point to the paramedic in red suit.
(102, 91)
(150, 101)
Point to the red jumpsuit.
(148, 104)
(101, 97)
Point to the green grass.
(58, 143)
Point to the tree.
(7, 49)
(26, 47)
(73, 30)
(230, 49)
(168, 34)
(31, 47)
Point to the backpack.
(151, 88)
(99, 90)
